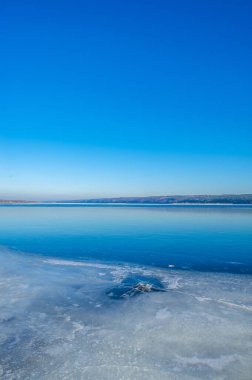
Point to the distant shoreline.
(120, 204)
(166, 200)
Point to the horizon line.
(128, 197)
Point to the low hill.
(171, 199)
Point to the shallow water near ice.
(58, 320)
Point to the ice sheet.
(57, 322)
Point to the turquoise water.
(72, 304)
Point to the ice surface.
(57, 322)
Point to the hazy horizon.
(67, 198)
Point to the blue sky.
(114, 98)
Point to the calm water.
(202, 238)
(63, 267)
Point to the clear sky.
(117, 98)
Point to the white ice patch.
(78, 264)
(216, 364)
(163, 314)
(57, 322)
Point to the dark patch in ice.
(7, 319)
(135, 285)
